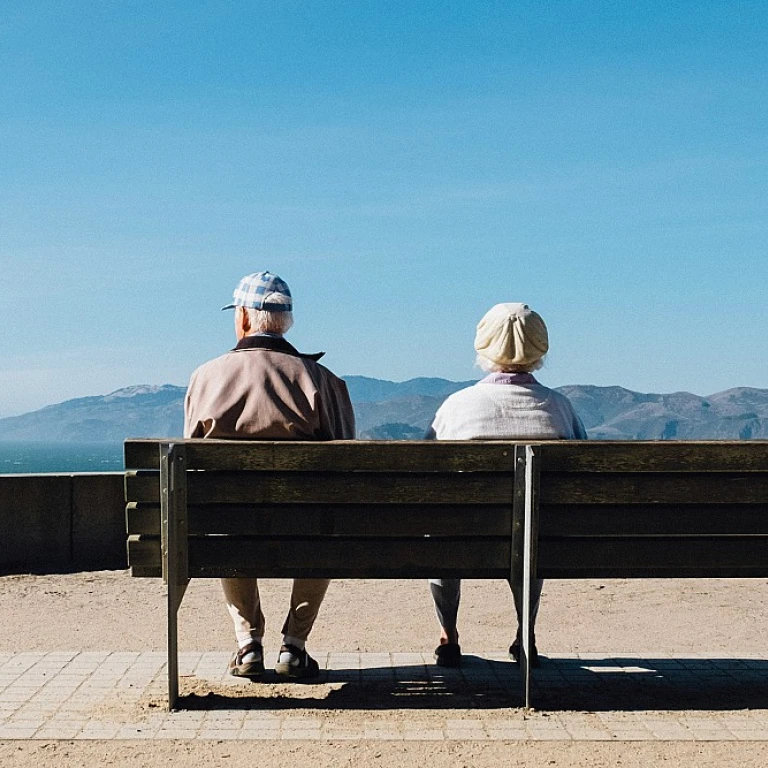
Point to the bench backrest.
(340, 509)
(652, 509)
(416, 509)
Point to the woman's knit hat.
(511, 334)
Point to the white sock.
(288, 640)
(247, 640)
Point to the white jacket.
(507, 407)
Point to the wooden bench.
(413, 510)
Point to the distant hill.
(365, 390)
(614, 413)
(388, 410)
(140, 411)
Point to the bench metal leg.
(173, 508)
(528, 572)
(175, 595)
(524, 538)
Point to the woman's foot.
(515, 651)
(448, 655)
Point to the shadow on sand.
(562, 684)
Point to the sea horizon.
(19, 457)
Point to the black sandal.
(515, 651)
(448, 655)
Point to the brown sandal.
(250, 669)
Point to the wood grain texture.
(334, 557)
(336, 456)
(325, 519)
(654, 456)
(653, 557)
(669, 519)
(653, 488)
(333, 488)
(446, 456)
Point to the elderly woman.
(507, 404)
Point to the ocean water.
(24, 457)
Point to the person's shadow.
(562, 684)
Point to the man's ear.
(242, 321)
(245, 320)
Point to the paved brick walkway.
(76, 695)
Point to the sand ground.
(110, 610)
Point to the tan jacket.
(264, 389)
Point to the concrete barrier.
(60, 523)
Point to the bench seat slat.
(345, 519)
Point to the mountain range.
(388, 410)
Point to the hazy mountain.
(140, 411)
(614, 413)
(415, 411)
(388, 410)
(365, 390)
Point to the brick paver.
(596, 697)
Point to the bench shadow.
(562, 684)
(633, 684)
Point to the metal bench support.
(175, 549)
(524, 537)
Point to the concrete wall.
(60, 523)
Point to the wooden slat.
(485, 520)
(141, 454)
(653, 557)
(142, 486)
(629, 519)
(345, 519)
(147, 573)
(655, 456)
(144, 554)
(358, 487)
(653, 488)
(335, 557)
(442, 456)
(142, 518)
(311, 487)
(338, 456)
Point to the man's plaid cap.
(262, 290)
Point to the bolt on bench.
(413, 510)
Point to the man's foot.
(448, 655)
(247, 662)
(296, 664)
(515, 652)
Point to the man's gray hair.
(264, 321)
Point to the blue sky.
(403, 165)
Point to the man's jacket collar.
(273, 344)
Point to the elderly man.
(264, 389)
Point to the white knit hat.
(511, 334)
